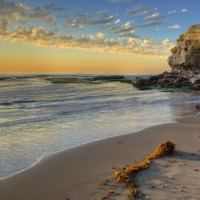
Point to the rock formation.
(186, 54)
(184, 63)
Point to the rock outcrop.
(185, 56)
(184, 63)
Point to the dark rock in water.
(195, 87)
(4, 78)
(141, 82)
(197, 107)
(95, 80)
(145, 83)
(196, 82)
(108, 78)
(184, 62)
(64, 80)
(164, 80)
(115, 78)
(182, 81)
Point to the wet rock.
(141, 82)
(196, 82)
(182, 81)
(108, 77)
(197, 107)
(184, 63)
(195, 87)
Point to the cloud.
(53, 7)
(139, 9)
(120, 1)
(117, 21)
(166, 42)
(100, 36)
(125, 28)
(125, 44)
(89, 21)
(149, 24)
(12, 11)
(176, 26)
(3, 26)
(128, 35)
(172, 12)
(38, 13)
(154, 16)
(102, 13)
(184, 10)
(38, 35)
(21, 23)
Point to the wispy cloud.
(38, 13)
(12, 11)
(87, 20)
(120, 1)
(184, 10)
(117, 21)
(103, 13)
(3, 26)
(53, 7)
(139, 9)
(39, 26)
(175, 26)
(125, 28)
(172, 12)
(154, 16)
(149, 24)
(125, 44)
(128, 35)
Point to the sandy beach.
(75, 174)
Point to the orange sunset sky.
(25, 58)
(108, 36)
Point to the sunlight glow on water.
(38, 118)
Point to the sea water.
(38, 118)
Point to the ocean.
(38, 117)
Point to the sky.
(89, 36)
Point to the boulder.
(182, 81)
(195, 87)
(112, 77)
(197, 107)
(141, 82)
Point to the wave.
(39, 117)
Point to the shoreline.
(46, 156)
(40, 159)
(76, 154)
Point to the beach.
(39, 118)
(75, 174)
(99, 100)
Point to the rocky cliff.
(185, 56)
(184, 62)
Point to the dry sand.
(75, 174)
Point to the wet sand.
(75, 174)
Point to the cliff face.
(185, 56)
(184, 62)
